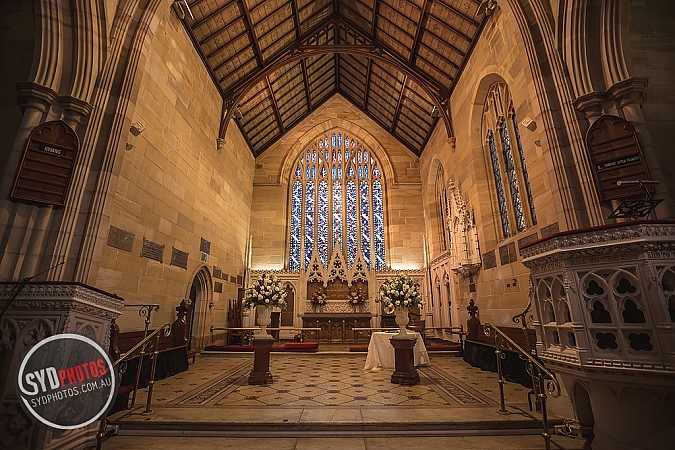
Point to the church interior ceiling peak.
(276, 61)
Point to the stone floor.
(327, 400)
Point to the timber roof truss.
(276, 61)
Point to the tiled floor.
(329, 380)
(327, 401)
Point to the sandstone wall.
(174, 187)
(499, 55)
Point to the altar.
(336, 327)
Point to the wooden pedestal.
(405, 373)
(261, 361)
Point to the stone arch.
(201, 297)
(363, 135)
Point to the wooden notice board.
(47, 164)
(616, 154)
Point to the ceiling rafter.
(277, 113)
(458, 12)
(251, 30)
(418, 31)
(397, 111)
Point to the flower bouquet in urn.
(319, 297)
(400, 292)
(266, 291)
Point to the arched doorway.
(200, 297)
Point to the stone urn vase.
(264, 318)
(402, 320)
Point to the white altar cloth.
(381, 353)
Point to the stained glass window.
(364, 208)
(523, 166)
(499, 185)
(500, 124)
(296, 228)
(511, 173)
(322, 223)
(352, 225)
(309, 221)
(378, 225)
(345, 213)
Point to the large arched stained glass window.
(500, 126)
(337, 204)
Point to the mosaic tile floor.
(332, 380)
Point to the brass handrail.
(121, 363)
(541, 376)
(145, 310)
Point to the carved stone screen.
(152, 250)
(120, 239)
(616, 154)
(179, 258)
(47, 164)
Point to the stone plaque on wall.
(218, 287)
(240, 280)
(217, 272)
(233, 279)
(489, 260)
(205, 246)
(120, 239)
(507, 253)
(179, 258)
(152, 250)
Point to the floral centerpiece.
(264, 294)
(356, 297)
(398, 295)
(319, 297)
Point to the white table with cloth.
(381, 353)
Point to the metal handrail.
(121, 363)
(145, 310)
(541, 376)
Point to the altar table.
(381, 353)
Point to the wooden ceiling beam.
(418, 32)
(366, 94)
(296, 20)
(305, 79)
(277, 113)
(249, 25)
(373, 24)
(397, 111)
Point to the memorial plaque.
(152, 250)
(527, 239)
(240, 280)
(217, 272)
(47, 164)
(489, 260)
(233, 279)
(549, 230)
(218, 287)
(120, 239)
(615, 154)
(179, 258)
(205, 246)
(225, 277)
(507, 253)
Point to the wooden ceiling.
(275, 61)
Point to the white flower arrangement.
(402, 291)
(266, 291)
